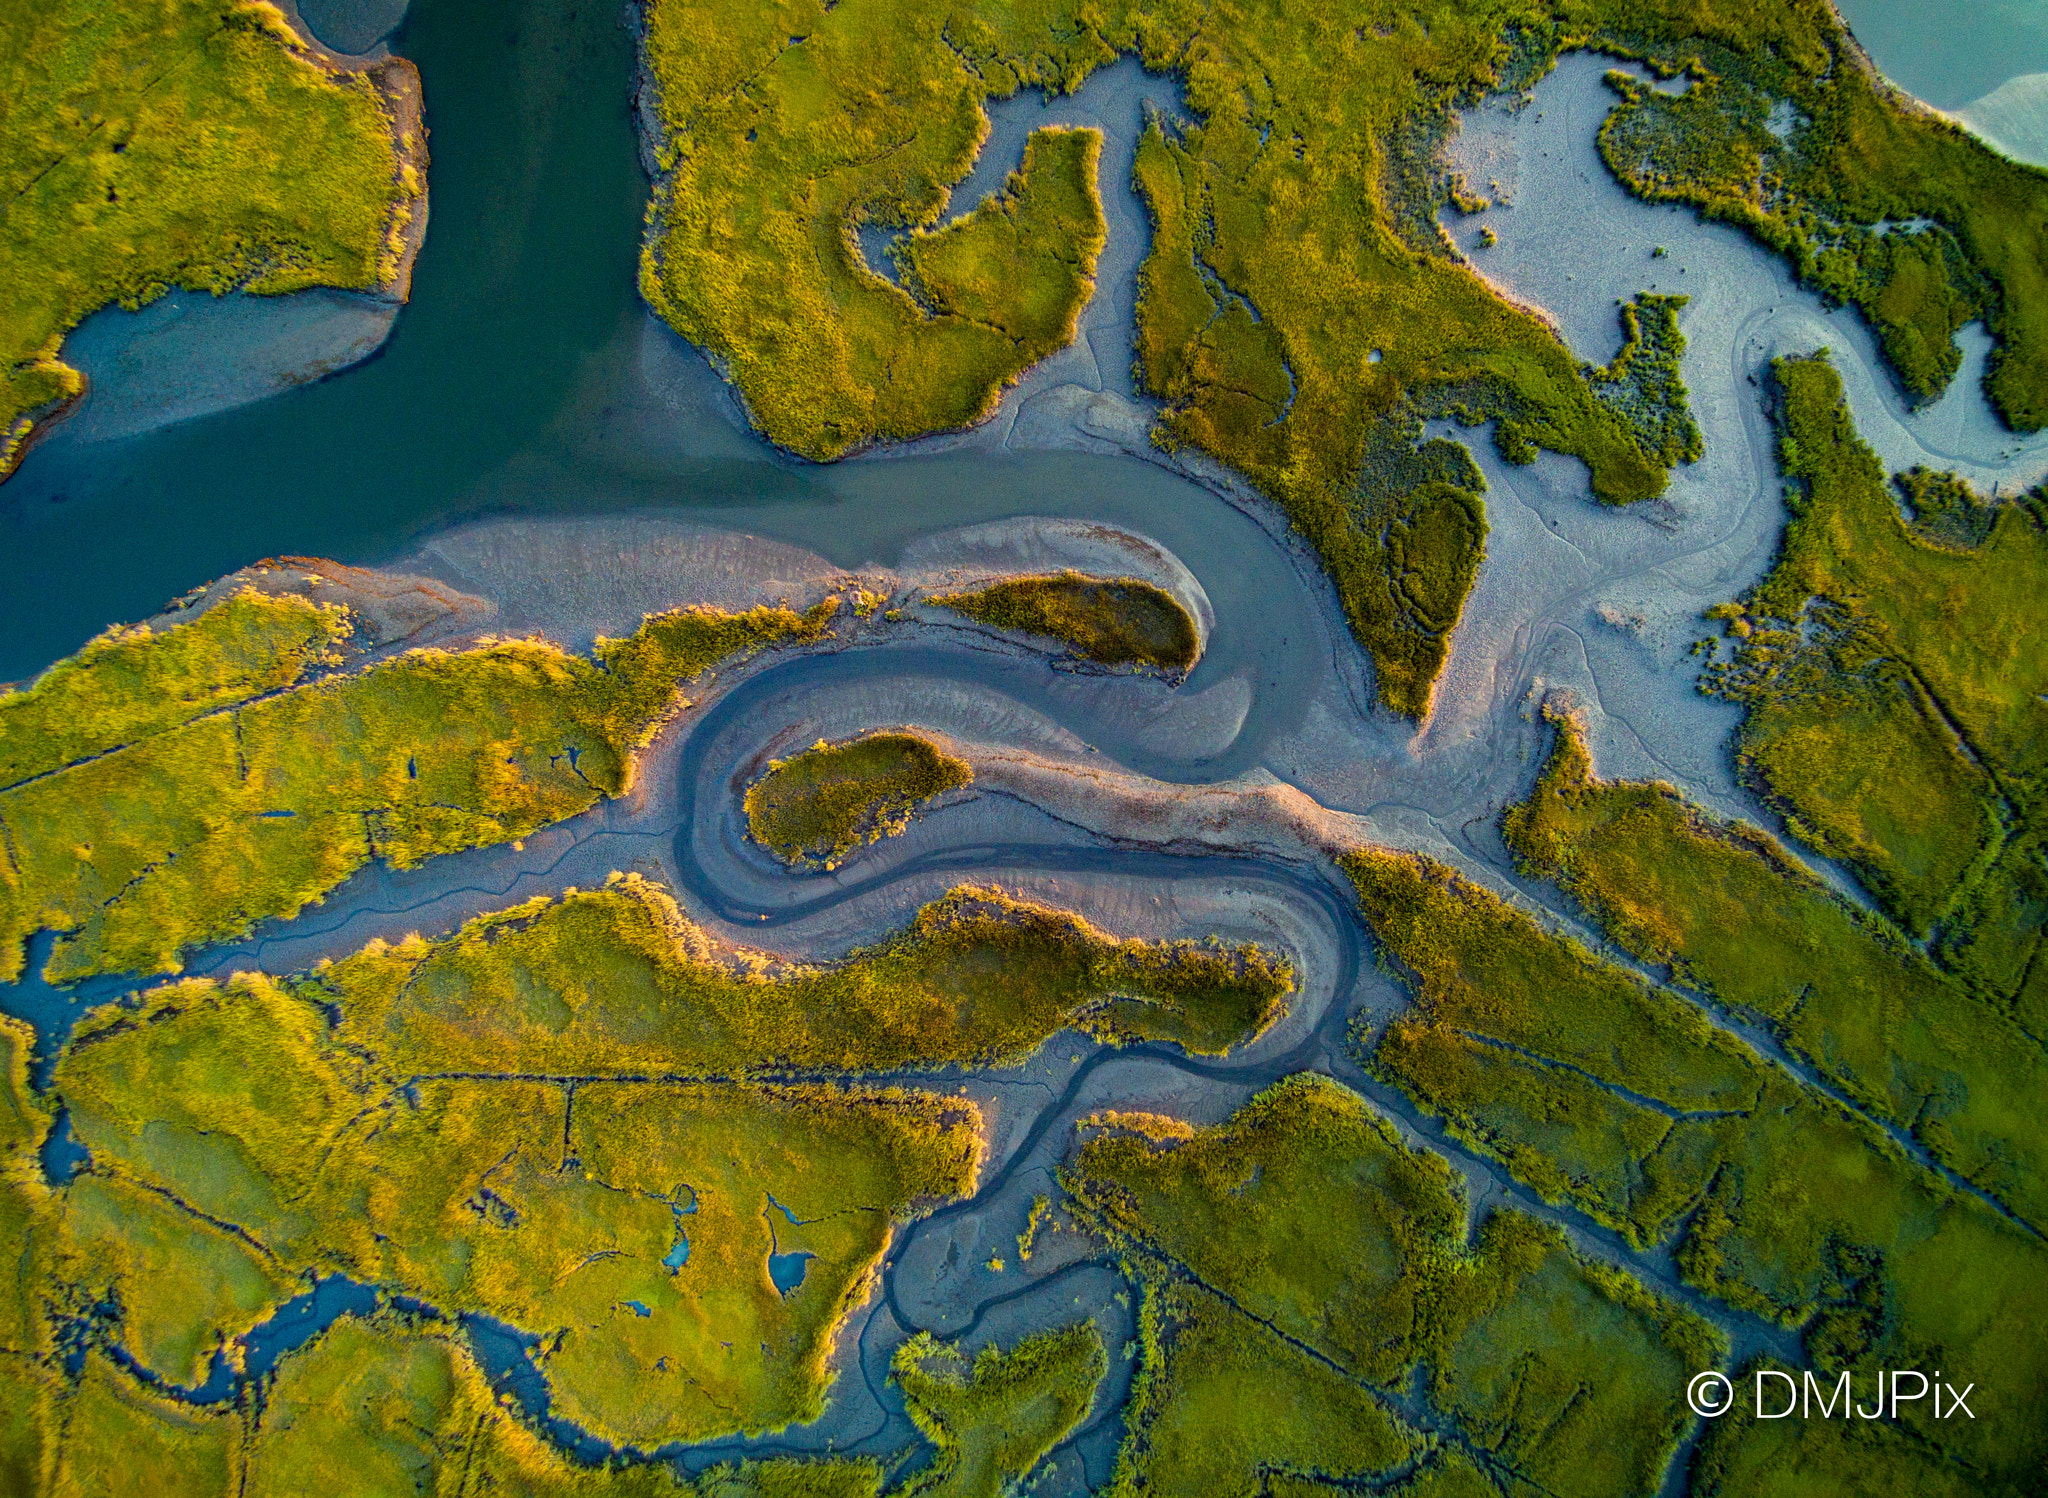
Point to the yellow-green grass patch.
(1726, 909)
(818, 806)
(196, 830)
(785, 129)
(633, 1222)
(1892, 683)
(371, 1407)
(121, 1437)
(1220, 1404)
(618, 981)
(181, 1286)
(134, 683)
(1321, 1232)
(1120, 621)
(993, 1421)
(1781, 1202)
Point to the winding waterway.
(526, 406)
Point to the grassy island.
(1736, 919)
(617, 981)
(784, 133)
(1308, 1280)
(167, 788)
(698, 1243)
(193, 143)
(1120, 621)
(1600, 1090)
(815, 808)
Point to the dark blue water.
(62, 1155)
(524, 376)
(523, 299)
(53, 1011)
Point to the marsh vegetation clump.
(783, 133)
(1600, 1090)
(1304, 1271)
(134, 682)
(816, 807)
(189, 143)
(1643, 384)
(1891, 681)
(1944, 509)
(1118, 621)
(177, 786)
(994, 1419)
(645, 1219)
(617, 981)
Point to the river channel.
(527, 405)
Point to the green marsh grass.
(112, 1434)
(1892, 685)
(993, 1420)
(240, 791)
(1731, 915)
(785, 129)
(1120, 621)
(618, 981)
(507, 1198)
(134, 683)
(1600, 1091)
(1873, 200)
(578, 1117)
(1302, 1264)
(816, 807)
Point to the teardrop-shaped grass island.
(815, 808)
(1115, 621)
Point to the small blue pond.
(786, 1271)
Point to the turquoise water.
(1949, 52)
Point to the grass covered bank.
(1311, 1291)
(1600, 1090)
(580, 1119)
(1891, 667)
(165, 788)
(194, 143)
